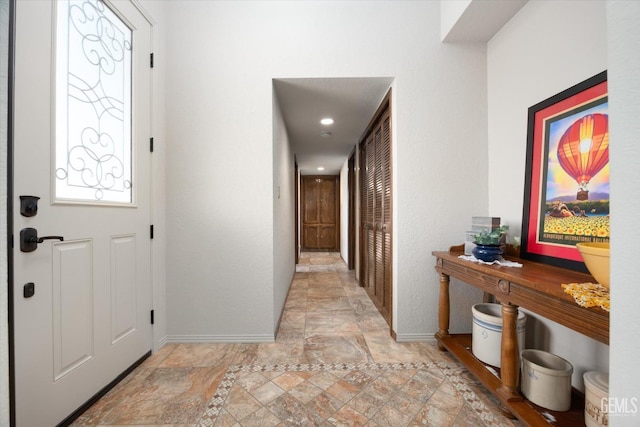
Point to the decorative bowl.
(596, 258)
(487, 253)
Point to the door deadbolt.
(29, 205)
(29, 239)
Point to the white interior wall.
(219, 176)
(220, 168)
(283, 212)
(546, 48)
(624, 107)
(436, 151)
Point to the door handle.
(29, 239)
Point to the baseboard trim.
(415, 338)
(160, 343)
(277, 328)
(222, 339)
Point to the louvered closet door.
(378, 178)
(367, 216)
(376, 214)
(386, 215)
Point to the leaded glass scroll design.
(93, 144)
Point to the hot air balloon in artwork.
(583, 150)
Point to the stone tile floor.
(333, 364)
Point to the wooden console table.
(535, 287)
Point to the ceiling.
(482, 19)
(351, 102)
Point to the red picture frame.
(566, 194)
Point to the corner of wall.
(450, 13)
(283, 212)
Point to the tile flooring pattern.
(333, 364)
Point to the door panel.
(88, 319)
(326, 237)
(321, 213)
(327, 201)
(310, 237)
(320, 237)
(73, 309)
(310, 204)
(123, 287)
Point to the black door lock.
(29, 290)
(29, 205)
(29, 239)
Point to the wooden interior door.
(376, 211)
(320, 213)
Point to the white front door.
(81, 144)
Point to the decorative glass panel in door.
(93, 154)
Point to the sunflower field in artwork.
(577, 223)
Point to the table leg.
(443, 309)
(509, 357)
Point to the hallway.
(333, 364)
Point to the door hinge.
(151, 231)
(152, 317)
(151, 144)
(151, 60)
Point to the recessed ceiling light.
(327, 121)
(325, 134)
(320, 168)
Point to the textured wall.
(624, 93)
(283, 213)
(220, 281)
(546, 48)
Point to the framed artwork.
(566, 193)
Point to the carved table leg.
(509, 357)
(443, 309)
